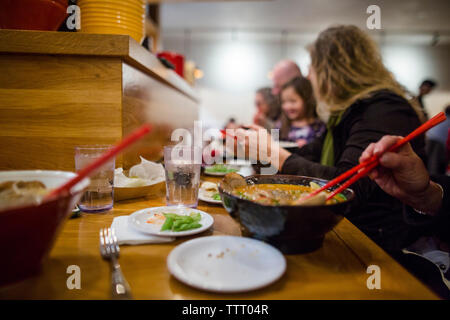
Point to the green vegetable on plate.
(167, 224)
(177, 223)
(220, 168)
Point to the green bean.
(167, 224)
(175, 222)
(340, 195)
(188, 226)
(196, 216)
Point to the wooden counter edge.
(369, 253)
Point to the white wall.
(413, 63)
(235, 64)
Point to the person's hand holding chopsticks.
(261, 138)
(403, 175)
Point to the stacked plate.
(113, 17)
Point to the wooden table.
(338, 270)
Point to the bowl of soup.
(270, 208)
(30, 223)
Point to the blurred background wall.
(236, 44)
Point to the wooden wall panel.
(146, 100)
(49, 104)
(60, 89)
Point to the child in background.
(299, 122)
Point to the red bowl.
(45, 15)
(27, 233)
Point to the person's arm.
(403, 175)
(296, 164)
(364, 130)
(312, 150)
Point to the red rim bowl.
(27, 233)
(45, 15)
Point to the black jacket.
(444, 181)
(439, 224)
(374, 212)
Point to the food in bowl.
(143, 174)
(28, 230)
(295, 227)
(276, 194)
(279, 194)
(141, 180)
(20, 193)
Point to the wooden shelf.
(85, 44)
(63, 89)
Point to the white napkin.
(127, 235)
(148, 170)
(144, 174)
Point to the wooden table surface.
(338, 270)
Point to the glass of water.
(99, 196)
(182, 165)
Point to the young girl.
(299, 122)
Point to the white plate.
(239, 162)
(226, 263)
(139, 219)
(216, 174)
(203, 195)
(288, 144)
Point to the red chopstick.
(83, 173)
(225, 133)
(370, 164)
(353, 179)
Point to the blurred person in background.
(366, 103)
(268, 108)
(299, 122)
(231, 124)
(425, 88)
(283, 72)
(436, 146)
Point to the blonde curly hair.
(349, 67)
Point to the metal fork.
(109, 250)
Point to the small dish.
(226, 264)
(288, 144)
(124, 193)
(206, 193)
(138, 220)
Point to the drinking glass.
(182, 166)
(99, 196)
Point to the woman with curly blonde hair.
(349, 67)
(366, 102)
